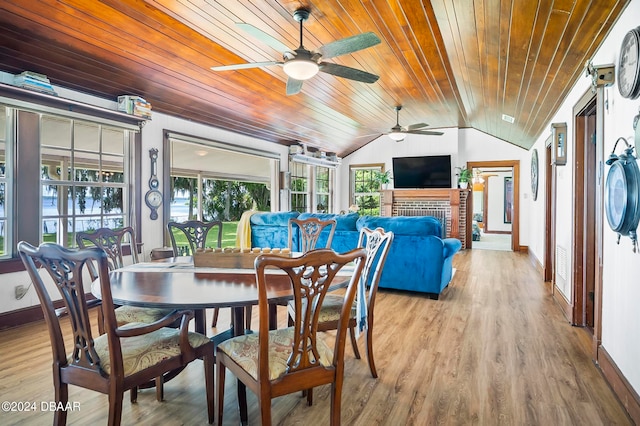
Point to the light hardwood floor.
(494, 350)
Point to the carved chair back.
(196, 232)
(310, 230)
(113, 242)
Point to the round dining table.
(176, 283)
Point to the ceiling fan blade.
(348, 45)
(293, 86)
(245, 66)
(348, 72)
(263, 37)
(417, 126)
(425, 132)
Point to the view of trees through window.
(222, 200)
(365, 190)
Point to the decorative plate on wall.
(534, 174)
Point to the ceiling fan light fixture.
(397, 136)
(301, 69)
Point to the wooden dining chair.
(376, 244)
(308, 236)
(309, 233)
(196, 232)
(115, 243)
(124, 357)
(278, 362)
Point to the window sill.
(13, 264)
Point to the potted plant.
(383, 178)
(464, 177)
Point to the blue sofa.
(419, 259)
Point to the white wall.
(621, 267)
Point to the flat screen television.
(432, 171)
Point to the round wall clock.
(629, 65)
(622, 199)
(534, 174)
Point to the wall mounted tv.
(422, 172)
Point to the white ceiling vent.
(508, 118)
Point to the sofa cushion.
(403, 225)
(344, 222)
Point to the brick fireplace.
(450, 206)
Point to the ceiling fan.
(398, 132)
(301, 64)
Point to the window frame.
(23, 164)
(353, 195)
(311, 194)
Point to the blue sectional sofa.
(419, 259)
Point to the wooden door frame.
(579, 301)
(515, 167)
(550, 218)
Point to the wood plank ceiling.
(450, 63)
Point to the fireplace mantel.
(448, 203)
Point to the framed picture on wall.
(559, 144)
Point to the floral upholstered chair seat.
(134, 314)
(141, 352)
(244, 351)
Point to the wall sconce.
(559, 144)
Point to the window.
(299, 186)
(322, 194)
(212, 180)
(311, 188)
(365, 189)
(84, 179)
(4, 195)
(60, 174)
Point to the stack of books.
(132, 104)
(34, 81)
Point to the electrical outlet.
(20, 291)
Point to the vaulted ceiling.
(450, 63)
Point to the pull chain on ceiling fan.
(301, 64)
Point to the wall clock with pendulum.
(622, 197)
(153, 197)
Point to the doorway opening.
(494, 210)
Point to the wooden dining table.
(176, 283)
